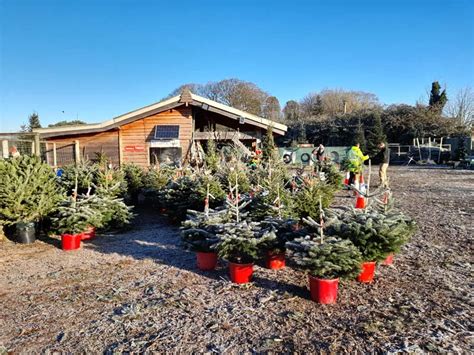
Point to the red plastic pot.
(388, 260)
(323, 291)
(275, 261)
(360, 202)
(368, 272)
(206, 261)
(71, 241)
(88, 234)
(240, 273)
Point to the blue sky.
(97, 59)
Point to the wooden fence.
(55, 154)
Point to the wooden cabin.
(173, 130)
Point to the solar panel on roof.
(167, 132)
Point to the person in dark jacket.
(384, 156)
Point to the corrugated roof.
(175, 101)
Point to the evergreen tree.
(376, 234)
(376, 135)
(269, 149)
(212, 158)
(311, 196)
(330, 259)
(28, 190)
(438, 98)
(33, 122)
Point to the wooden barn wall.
(89, 144)
(204, 119)
(135, 137)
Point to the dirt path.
(139, 291)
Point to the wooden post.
(33, 147)
(77, 152)
(440, 147)
(5, 148)
(429, 148)
(419, 149)
(120, 147)
(37, 144)
(46, 153)
(368, 179)
(55, 160)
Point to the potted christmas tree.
(395, 228)
(273, 244)
(374, 233)
(74, 216)
(239, 245)
(198, 234)
(326, 261)
(28, 192)
(203, 244)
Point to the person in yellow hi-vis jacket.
(356, 161)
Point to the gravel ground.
(139, 291)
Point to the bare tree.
(340, 101)
(461, 107)
(292, 111)
(272, 109)
(311, 106)
(237, 93)
(193, 87)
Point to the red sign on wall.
(134, 148)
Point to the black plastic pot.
(25, 233)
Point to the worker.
(384, 156)
(356, 160)
(318, 153)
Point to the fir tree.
(76, 214)
(310, 197)
(240, 242)
(376, 135)
(212, 158)
(28, 190)
(269, 150)
(375, 234)
(330, 259)
(134, 178)
(33, 122)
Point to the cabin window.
(167, 156)
(166, 132)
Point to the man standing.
(356, 160)
(384, 155)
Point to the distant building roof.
(186, 98)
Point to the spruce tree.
(28, 190)
(212, 158)
(33, 122)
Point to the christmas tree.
(330, 259)
(313, 195)
(28, 190)
(134, 177)
(76, 214)
(375, 234)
